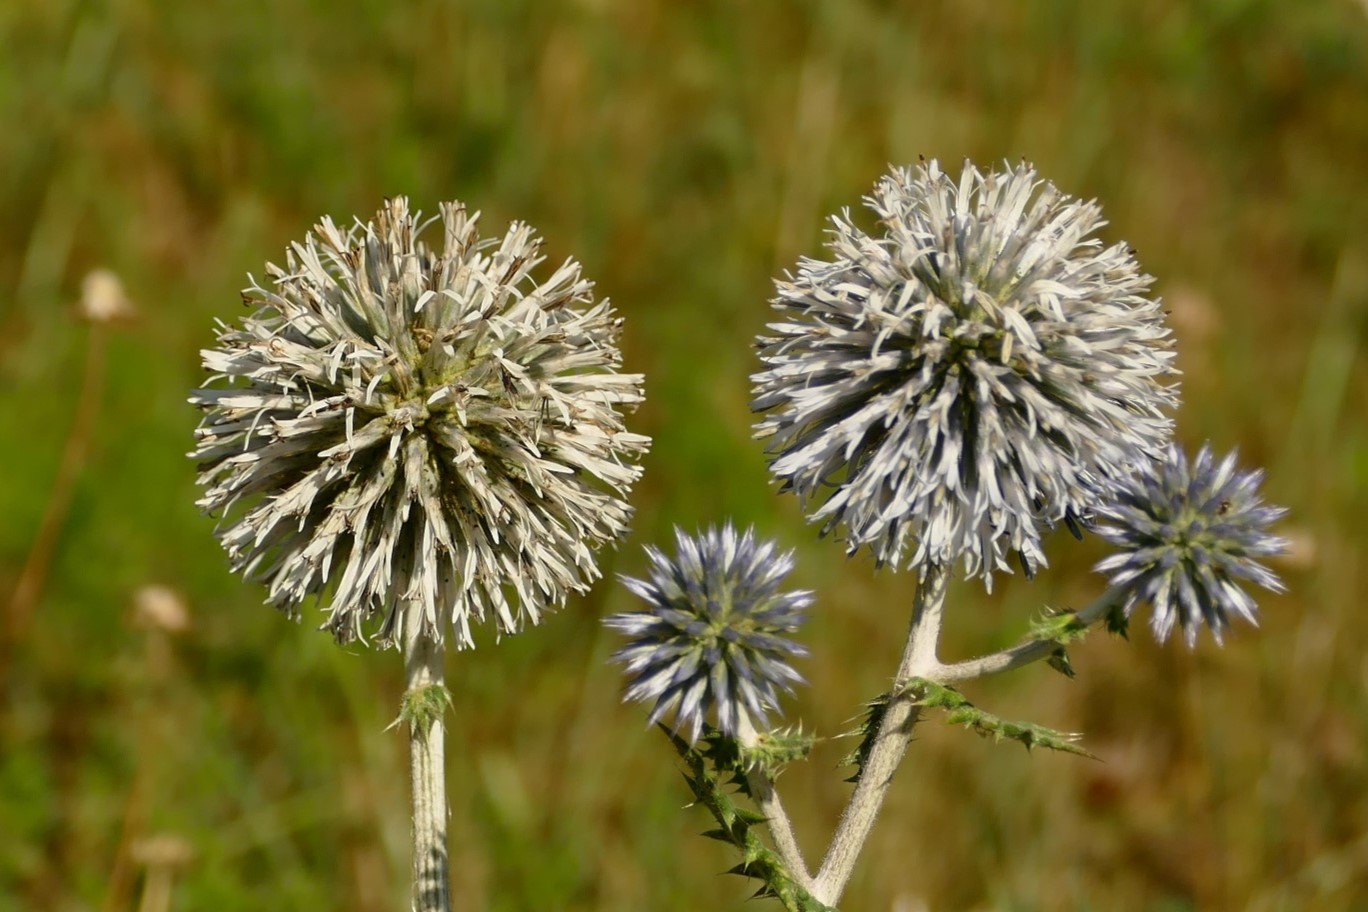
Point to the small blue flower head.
(714, 634)
(1187, 534)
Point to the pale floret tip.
(950, 386)
(714, 636)
(422, 436)
(1187, 535)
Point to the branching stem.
(777, 819)
(889, 745)
(1024, 653)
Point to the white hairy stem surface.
(886, 752)
(427, 734)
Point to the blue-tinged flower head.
(427, 437)
(967, 376)
(1187, 535)
(714, 633)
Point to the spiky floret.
(714, 633)
(430, 435)
(968, 375)
(1187, 534)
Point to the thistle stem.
(889, 744)
(776, 818)
(1024, 653)
(427, 734)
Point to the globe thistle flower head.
(714, 635)
(1187, 534)
(966, 376)
(425, 436)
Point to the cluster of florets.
(714, 635)
(1186, 535)
(945, 390)
(977, 370)
(430, 435)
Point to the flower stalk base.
(424, 702)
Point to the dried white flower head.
(103, 299)
(432, 436)
(1187, 535)
(157, 607)
(714, 633)
(971, 374)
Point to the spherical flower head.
(430, 436)
(714, 634)
(966, 377)
(1186, 535)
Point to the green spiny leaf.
(1059, 661)
(736, 824)
(775, 750)
(1058, 626)
(420, 707)
(875, 710)
(933, 695)
(1118, 622)
(959, 711)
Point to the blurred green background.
(686, 153)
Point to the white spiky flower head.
(966, 377)
(428, 437)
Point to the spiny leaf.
(1059, 661)
(1118, 622)
(422, 706)
(745, 815)
(775, 750)
(1058, 626)
(682, 747)
(875, 710)
(959, 711)
(736, 825)
(723, 755)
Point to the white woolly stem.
(1025, 653)
(772, 806)
(427, 734)
(889, 743)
